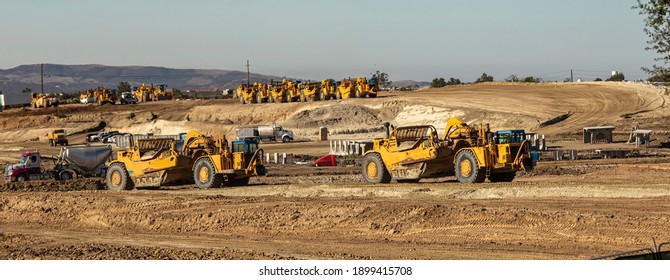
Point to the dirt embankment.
(501, 105)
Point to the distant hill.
(72, 78)
(409, 83)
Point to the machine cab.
(31, 160)
(510, 136)
(245, 146)
(510, 146)
(243, 153)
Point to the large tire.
(65, 175)
(205, 175)
(374, 170)
(286, 139)
(468, 170)
(117, 178)
(21, 178)
(502, 177)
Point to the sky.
(408, 40)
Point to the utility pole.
(571, 80)
(42, 77)
(248, 80)
(42, 90)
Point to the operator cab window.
(32, 160)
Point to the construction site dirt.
(561, 210)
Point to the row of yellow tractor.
(142, 93)
(297, 91)
(101, 95)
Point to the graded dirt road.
(593, 210)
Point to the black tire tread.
(384, 177)
(215, 182)
(129, 185)
(478, 174)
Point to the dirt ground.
(561, 210)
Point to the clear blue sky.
(417, 40)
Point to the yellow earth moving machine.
(310, 91)
(104, 96)
(143, 93)
(151, 93)
(57, 137)
(160, 92)
(262, 93)
(209, 161)
(471, 153)
(327, 89)
(246, 94)
(277, 92)
(346, 89)
(292, 90)
(86, 97)
(43, 100)
(365, 88)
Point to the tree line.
(442, 82)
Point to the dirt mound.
(334, 116)
(54, 186)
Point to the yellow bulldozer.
(43, 100)
(208, 161)
(160, 92)
(327, 89)
(470, 153)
